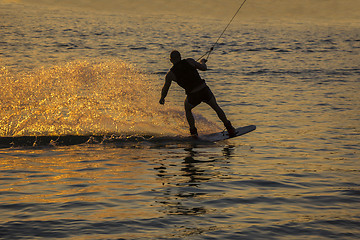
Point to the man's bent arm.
(198, 65)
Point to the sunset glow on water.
(84, 68)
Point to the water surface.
(70, 71)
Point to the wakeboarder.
(184, 73)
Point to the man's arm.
(198, 65)
(169, 77)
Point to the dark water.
(73, 72)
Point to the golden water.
(75, 71)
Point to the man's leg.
(213, 104)
(190, 117)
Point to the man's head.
(175, 56)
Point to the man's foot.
(194, 133)
(230, 129)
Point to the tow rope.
(213, 46)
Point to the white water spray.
(86, 98)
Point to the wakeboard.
(220, 136)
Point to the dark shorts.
(203, 95)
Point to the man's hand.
(162, 101)
(203, 61)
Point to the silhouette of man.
(184, 73)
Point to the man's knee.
(212, 103)
(188, 106)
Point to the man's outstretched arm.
(166, 87)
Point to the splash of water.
(84, 98)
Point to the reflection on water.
(105, 184)
(181, 189)
(133, 191)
